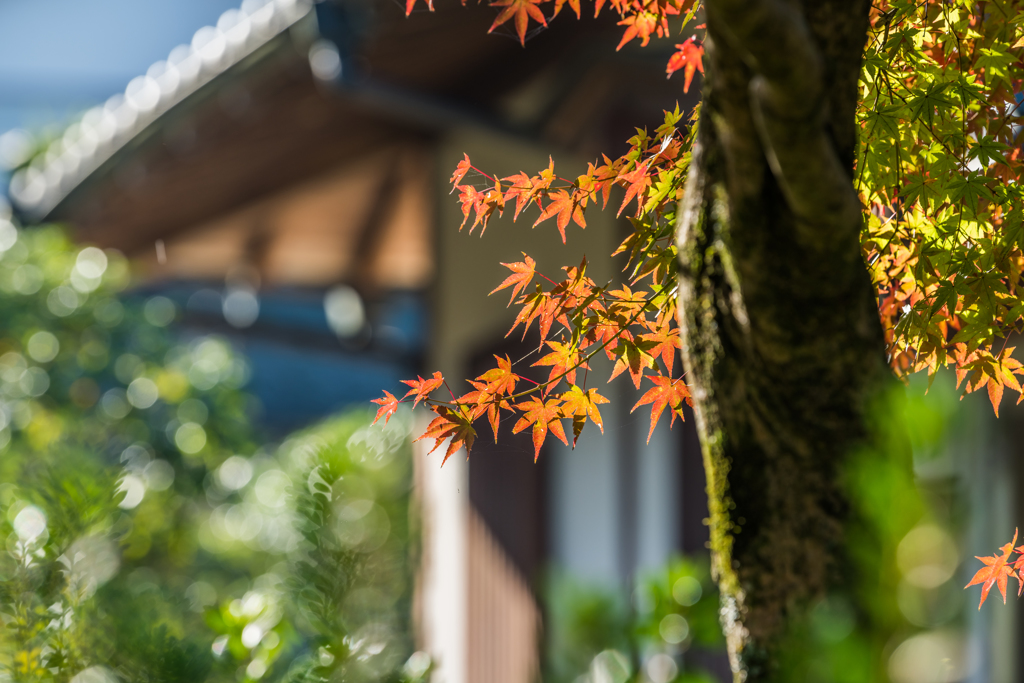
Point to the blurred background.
(229, 223)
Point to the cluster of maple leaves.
(641, 19)
(939, 169)
(634, 324)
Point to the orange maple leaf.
(565, 206)
(523, 11)
(464, 166)
(574, 4)
(520, 187)
(564, 359)
(450, 424)
(668, 392)
(581, 405)
(688, 57)
(545, 417)
(641, 24)
(995, 572)
(638, 181)
(422, 387)
(500, 380)
(482, 401)
(410, 4)
(633, 357)
(666, 342)
(388, 405)
(522, 275)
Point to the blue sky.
(61, 56)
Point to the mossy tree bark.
(783, 346)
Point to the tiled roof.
(104, 129)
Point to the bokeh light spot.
(190, 438)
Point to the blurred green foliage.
(595, 634)
(899, 615)
(148, 533)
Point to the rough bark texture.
(784, 349)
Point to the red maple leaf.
(522, 275)
(581, 405)
(422, 387)
(667, 392)
(523, 11)
(450, 424)
(995, 572)
(564, 359)
(388, 405)
(565, 206)
(689, 58)
(545, 417)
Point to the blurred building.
(283, 178)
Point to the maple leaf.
(637, 181)
(545, 417)
(627, 301)
(533, 305)
(688, 56)
(581, 405)
(631, 356)
(480, 402)
(520, 188)
(1017, 566)
(564, 359)
(456, 425)
(574, 4)
(522, 11)
(500, 380)
(464, 166)
(666, 342)
(410, 4)
(565, 206)
(422, 387)
(667, 392)
(470, 198)
(995, 572)
(522, 275)
(601, 329)
(546, 318)
(641, 24)
(388, 405)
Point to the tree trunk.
(783, 346)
